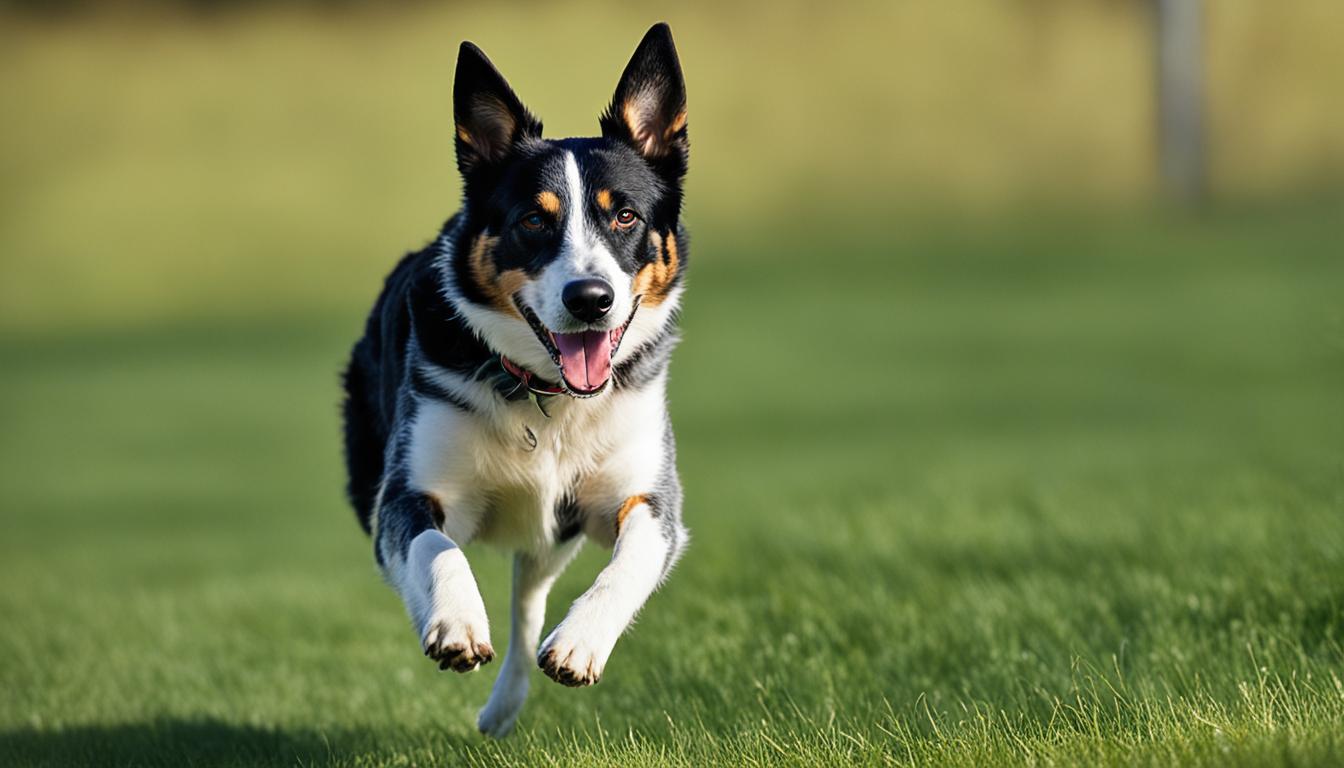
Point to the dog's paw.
(456, 646)
(497, 722)
(569, 659)
(498, 716)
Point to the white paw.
(455, 631)
(500, 713)
(572, 655)
(457, 645)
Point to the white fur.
(496, 487)
(500, 472)
(582, 642)
(442, 595)
(582, 255)
(532, 580)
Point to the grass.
(1015, 488)
(1027, 493)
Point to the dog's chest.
(502, 477)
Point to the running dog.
(510, 384)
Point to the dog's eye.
(626, 218)
(533, 221)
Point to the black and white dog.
(510, 384)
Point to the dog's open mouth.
(584, 358)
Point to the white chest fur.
(495, 485)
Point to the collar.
(529, 380)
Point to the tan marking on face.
(654, 280)
(627, 507)
(499, 286)
(604, 199)
(549, 202)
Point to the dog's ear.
(490, 118)
(649, 108)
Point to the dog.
(510, 385)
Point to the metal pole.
(1180, 93)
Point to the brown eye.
(626, 218)
(533, 221)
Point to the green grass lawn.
(1041, 493)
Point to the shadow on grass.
(171, 742)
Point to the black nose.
(588, 299)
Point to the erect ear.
(649, 108)
(490, 118)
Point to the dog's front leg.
(533, 575)
(432, 576)
(648, 541)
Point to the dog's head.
(571, 256)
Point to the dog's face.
(571, 256)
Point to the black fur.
(503, 160)
(411, 299)
(436, 392)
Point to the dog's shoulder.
(413, 304)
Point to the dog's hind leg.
(533, 576)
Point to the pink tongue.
(585, 359)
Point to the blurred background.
(160, 159)
(1072, 270)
